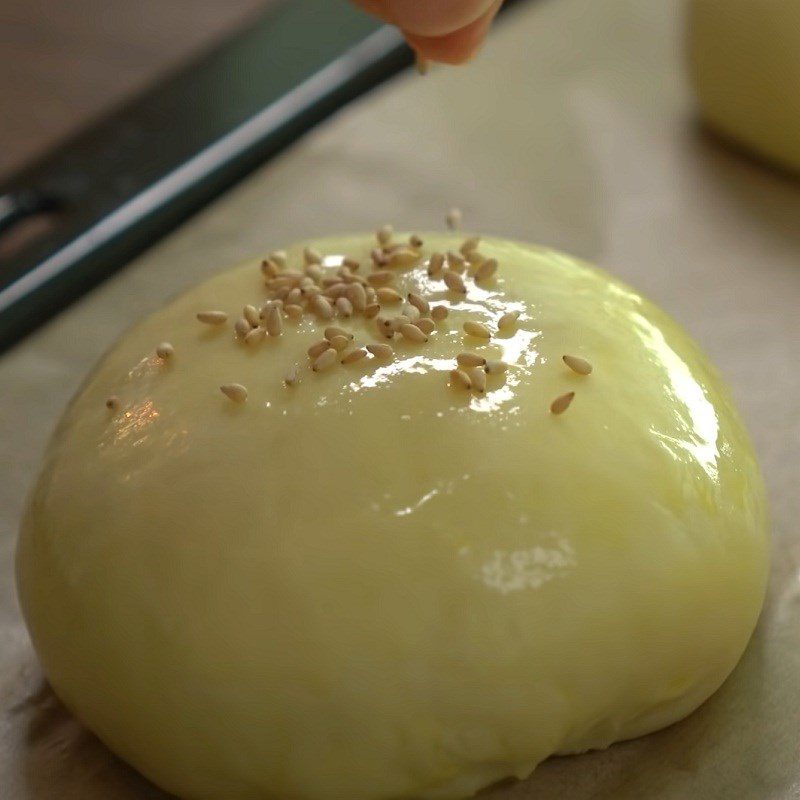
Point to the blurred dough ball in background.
(745, 65)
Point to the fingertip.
(436, 19)
(441, 50)
(457, 47)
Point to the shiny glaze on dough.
(371, 585)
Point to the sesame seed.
(165, 350)
(378, 256)
(384, 325)
(318, 348)
(486, 270)
(415, 241)
(577, 364)
(278, 257)
(453, 218)
(113, 403)
(212, 317)
(459, 379)
(269, 269)
(478, 378)
(454, 282)
(353, 263)
(333, 330)
(412, 333)
(475, 258)
(372, 297)
(478, 329)
(469, 245)
(372, 310)
(321, 307)
(311, 256)
(280, 283)
(412, 312)
(508, 320)
(403, 257)
(384, 234)
(420, 303)
(274, 322)
(382, 351)
(354, 355)
(561, 403)
(234, 391)
(435, 265)
(456, 261)
(388, 295)
(293, 312)
(357, 295)
(279, 286)
(250, 313)
(470, 360)
(344, 307)
(292, 376)
(495, 367)
(242, 327)
(315, 272)
(349, 277)
(336, 290)
(426, 325)
(295, 297)
(439, 313)
(381, 277)
(325, 360)
(339, 343)
(264, 310)
(255, 336)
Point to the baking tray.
(574, 128)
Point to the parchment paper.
(574, 128)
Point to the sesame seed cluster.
(331, 296)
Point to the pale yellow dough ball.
(376, 583)
(745, 65)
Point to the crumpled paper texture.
(574, 128)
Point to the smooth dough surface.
(745, 63)
(372, 585)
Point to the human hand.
(449, 31)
